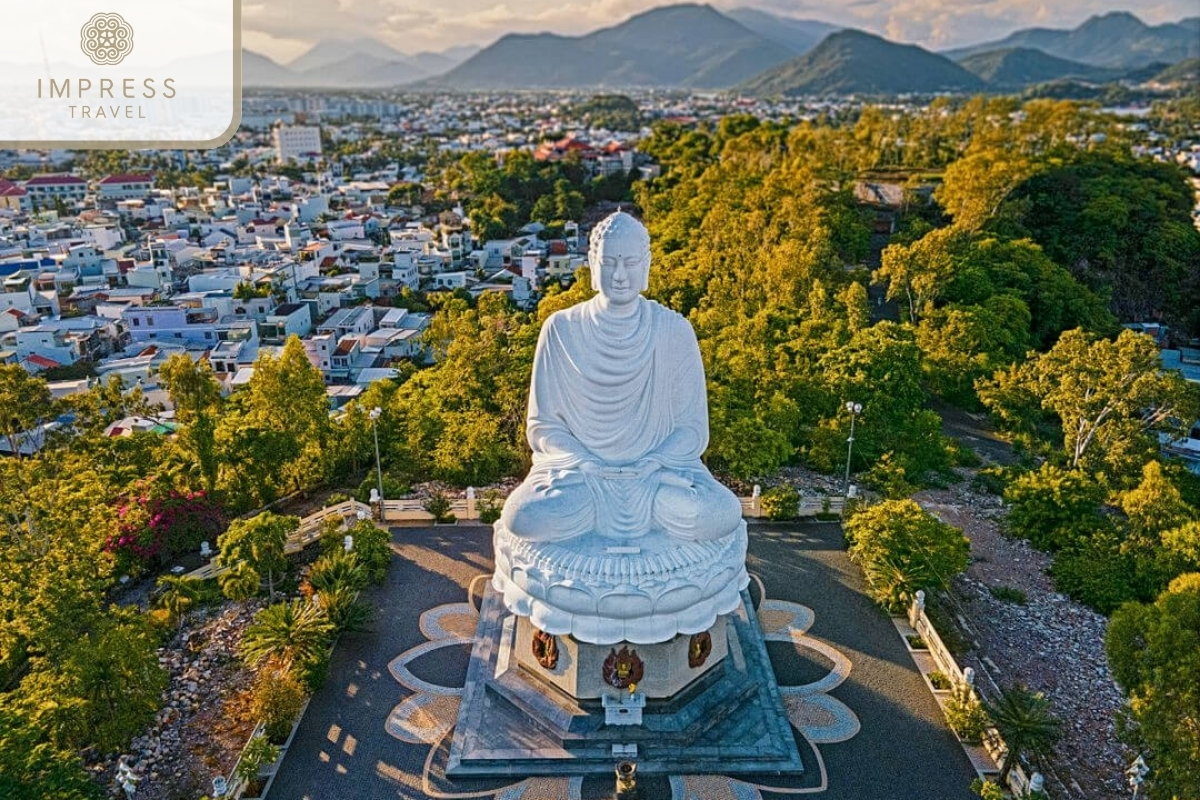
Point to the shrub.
(373, 548)
(781, 503)
(489, 506)
(337, 570)
(965, 714)
(1054, 507)
(438, 505)
(988, 790)
(335, 498)
(889, 478)
(157, 524)
(344, 610)
(392, 488)
(902, 548)
(991, 480)
(258, 753)
(333, 533)
(276, 698)
(916, 642)
(1096, 572)
(939, 681)
(1008, 594)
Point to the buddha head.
(619, 255)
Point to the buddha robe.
(612, 396)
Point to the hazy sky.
(283, 29)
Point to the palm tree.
(335, 570)
(342, 607)
(294, 633)
(179, 596)
(1025, 723)
(240, 582)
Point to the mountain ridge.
(686, 46)
(1118, 39)
(855, 62)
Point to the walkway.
(893, 746)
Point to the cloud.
(276, 26)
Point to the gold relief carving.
(622, 669)
(699, 648)
(545, 649)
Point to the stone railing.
(467, 509)
(307, 533)
(1019, 782)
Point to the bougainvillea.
(157, 525)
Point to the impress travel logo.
(106, 39)
(128, 74)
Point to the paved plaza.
(866, 725)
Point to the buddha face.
(620, 270)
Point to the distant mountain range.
(692, 46)
(686, 46)
(798, 35)
(340, 64)
(854, 62)
(1118, 39)
(1018, 67)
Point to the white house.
(299, 142)
(126, 187)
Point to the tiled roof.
(144, 177)
(43, 362)
(54, 180)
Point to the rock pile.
(196, 733)
(1049, 643)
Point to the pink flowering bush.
(156, 525)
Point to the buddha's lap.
(544, 509)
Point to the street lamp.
(855, 409)
(374, 415)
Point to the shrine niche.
(545, 649)
(623, 669)
(699, 649)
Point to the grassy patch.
(1008, 594)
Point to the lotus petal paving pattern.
(380, 726)
(428, 714)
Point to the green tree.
(180, 594)
(902, 548)
(196, 396)
(26, 402)
(31, 766)
(257, 543)
(1111, 399)
(107, 686)
(1154, 651)
(1026, 724)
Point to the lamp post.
(855, 409)
(374, 415)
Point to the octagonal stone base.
(580, 668)
(729, 719)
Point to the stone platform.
(513, 723)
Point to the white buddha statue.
(618, 414)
